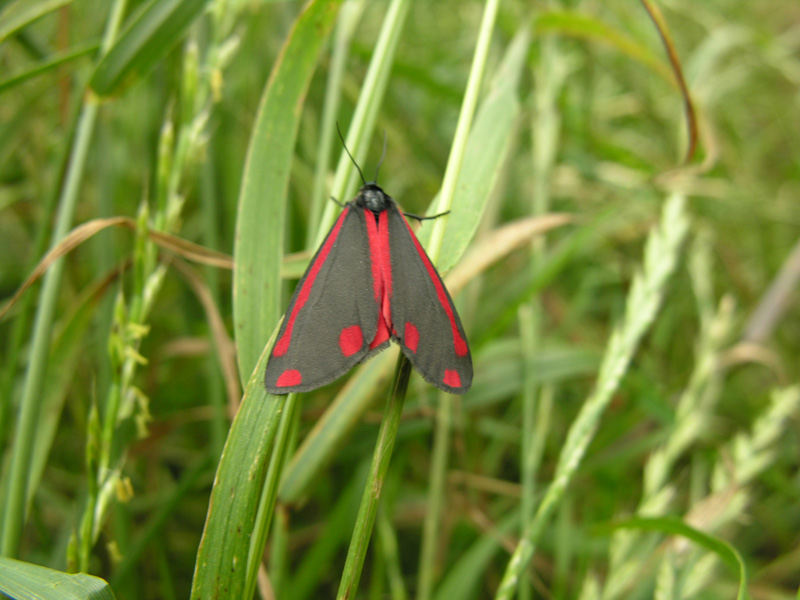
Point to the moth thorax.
(373, 198)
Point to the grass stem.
(362, 531)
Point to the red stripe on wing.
(380, 255)
(459, 344)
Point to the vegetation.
(631, 430)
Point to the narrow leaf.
(22, 13)
(580, 25)
(487, 147)
(674, 526)
(48, 65)
(159, 26)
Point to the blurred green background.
(135, 382)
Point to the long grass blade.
(30, 406)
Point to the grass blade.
(484, 155)
(48, 65)
(32, 395)
(152, 34)
(674, 526)
(25, 581)
(22, 13)
(458, 149)
(220, 568)
(262, 202)
(362, 532)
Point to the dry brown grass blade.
(745, 352)
(675, 63)
(191, 251)
(776, 300)
(226, 350)
(498, 244)
(81, 233)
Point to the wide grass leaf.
(25, 581)
(220, 570)
(262, 201)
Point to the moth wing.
(333, 315)
(425, 321)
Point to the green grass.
(631, 430)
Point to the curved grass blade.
(674, 526)
(675, 63)
(220, 569)
(262, 206)
(81, 233)
(575, 24)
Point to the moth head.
(371, 196)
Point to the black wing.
(425, 322)
(333, 315)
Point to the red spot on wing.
(452, 378)
(411, 337)
(459, 344)
(350, 340)
(380, 256)
(289, 378)
(282, 345)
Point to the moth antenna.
(421, 218)
(383, 155)
(339, 131)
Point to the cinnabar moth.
(370, 282)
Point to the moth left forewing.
(339, 315)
